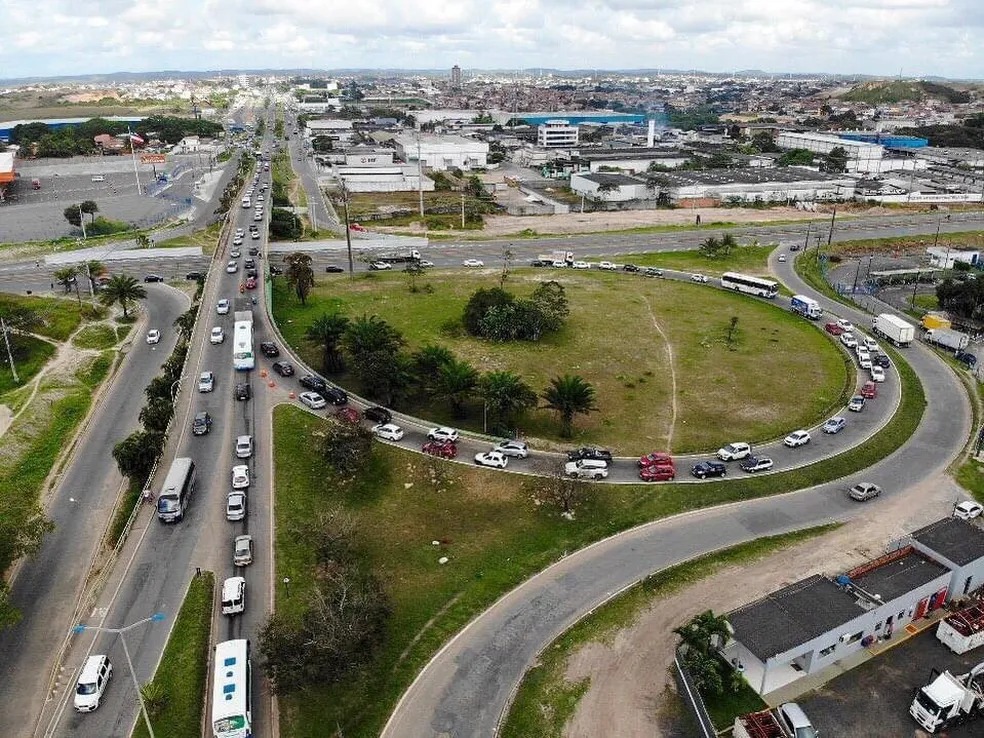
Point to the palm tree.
(427, 362)
(327, 331)
(706, 632)
(185, 323)
(122, 289)
(569, 395)
(299, 274)
(64, 277)
(456, 380)
(94, 268)
(505, 394)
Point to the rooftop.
(792, 616)
(631, 153)
(611, 178)
(750, 175)
(899, 575)
(957, 540)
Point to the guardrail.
(691, 698)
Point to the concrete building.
(556, 133)
(953, 157)
(455, 77)
(712, 187)
(610, 187)
(861, 156)
(338, 130)
(321, 107)
(632, 160)
(442, 152)
(944, 258)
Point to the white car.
(782, 258)
(235, 253)
(698, 278)
(238, 240)
(425, 264)
(244, 447)
(206, 382)
(312, 399)
(217, 336)
(443, 433)
(473, 263)
(871, 344)
(848, 340)
(797, 438)
(967, 510)
(240, 232)
(580, 265)
(519, 449)
(222, 307)
(877, 373)
(240, 476)
(864, 359)
(388, 431)
(380, 266)
(495, 459)
(734, 451)
(153, 336)
(235, 506)
(232, 267)
(845, 324)
(607, 266)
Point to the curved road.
(466, 687)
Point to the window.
(856, 637)
(878, 627)
(828, 650)
(967, 583)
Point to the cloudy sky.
(886, 37)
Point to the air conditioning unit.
(845, 637)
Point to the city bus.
(751, 285)
(232, 691)
(243, 358)
(179, 485)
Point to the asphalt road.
(466, 687)
(48, 586)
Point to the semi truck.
(947, 338)
(893, 329)
(567, 257)
(948, 700)
(806, 306)
(963, 630)
(401, 256)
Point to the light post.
(155, 618)
(286, 581)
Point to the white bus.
(179, 485)
(242, 346)
(232, 691)
(751, 285)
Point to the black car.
(630, 268)
(202, 424)
(590, 452)
(316, 384)
(539, 263)
(269, 349)
(274, 271)
(153, 278)
(249, 264)
(253, 250)
(252, 273)
(334, 395)
(966, 358)
(334, 269)
(283, 368)
(377, 414)
(242, 391)
(884, 362)
(195, 275)
(705, 469)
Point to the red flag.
(136, 139)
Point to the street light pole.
(155, 618)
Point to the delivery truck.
(947, 338)
(806, 306)
(401, 256)
(893, 329)
(963, 630)
(949, 700)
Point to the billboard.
(153, 158)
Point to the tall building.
(556, 133)
(456, 77)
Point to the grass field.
(97, 336)
(204, 239)
(745, 259)
(59, 317)
(28, 362)
(546, 700)
(755, 390)
(182, 674)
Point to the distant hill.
(876, 93)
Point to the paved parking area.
(872, 700)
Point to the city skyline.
(884, 38)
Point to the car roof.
(91, 668)
(796, 715)
(244, 439)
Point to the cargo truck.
(567, 257)
(948, 700)
(963, 630)
(401, 256)
(806, 306)
(893, 329)
(947, 338)
(935, 320)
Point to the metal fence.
(692, 699)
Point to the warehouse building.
(861, 155)
(713, 187)
(610, 186)
(633, 160)
(442, 152)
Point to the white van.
(586, 469)
(234, 595)
(95, 675)
(98, 178)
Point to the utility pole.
(82, 221)
(936, 238)
(462, 211)
(809, 225)
(10, 355)
(348, 231)
(830, 234)
(420, 177)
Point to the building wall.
(975, 569)
(634, 166)
(766, 192)
(556, 133)
(444, 155)
(584, 186)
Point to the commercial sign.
(153, 158)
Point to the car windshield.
(167, 504)
(85, 689)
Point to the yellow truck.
(935, 320)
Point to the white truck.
(947, 338)
(949, 700)
(963, 630)
(567, 257)
(806, 306)
(759, 725)
(397, 257)
(893, 329)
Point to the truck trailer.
(567, 257)
(893, 329)
(947, 338)
(963, 630)
(949, 700)
(805, 306)
(401, 256)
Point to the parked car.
(240, 476)
(657, 473)
(242, 551)
(877, 373)
(243, 391)
(202, 424)
(442, 449)
(734, 451)
(235, 506)
(195, 276)
(335, 395)
(312, 399)
(856, 404)
(153, 336)
(206, 382)
(756, 464)
(795, 721)
(656, 458)
(864, 491)
(269, 349)
(495, 459)
(967, 510)
(833, 329)
(377, 414)
(283, 368)
(590, 452)
(510, 447)
(388, 431)
(473, 263)
(222, 307)
(153, 278)
(630, 268)
(244, 447)
(796, 439)
(334, 269)
(217, 336)
(869, 390)
(443, 433)
(834, 425)
(966, 358)
(705, 469)
(596, 469)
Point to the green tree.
(327, 332)
(427, 362)
(796, 158)
(185, 323)
(374, 349)
(836, 160)
(124, 290)
(568, 396)
(73, 215)
(135, 455)
(346, 447)
(90, 208)
(156, 414)
(456, 381)
(551, 299)
(65, 277)
(300, 275)
(701, 639)
(505, 395)
(479, 304)
(711, 247)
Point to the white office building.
(556, 134)
(442, 152)
(861, 157)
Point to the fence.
(692, 699)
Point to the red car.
(348, 415)
(656, 458)
(869, 390)
(833, 329)
(251, 283)
(658, 473)
(441, 449)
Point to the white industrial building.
(610, 187)
(442, 152)
(944, 258)
(712, 187)
(861, 156)
(319, 108)
(374, 170)
(337, 130)
(632, 160)
(556, 134)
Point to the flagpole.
(133, 155)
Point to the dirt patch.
(630, 671)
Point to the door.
(937, 600)
(921, 608)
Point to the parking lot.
(872, 700)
